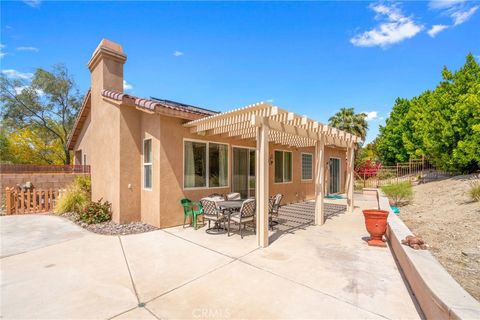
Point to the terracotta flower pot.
(376, 223)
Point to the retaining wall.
(438, 294)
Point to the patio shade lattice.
(264, 123)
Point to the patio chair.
(192, 210)
(271, 203)
(216, 197)
(245, 215)
(212, 212)
(234, 196)
(273, 211)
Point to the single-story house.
(146, 154)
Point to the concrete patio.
(307, 272)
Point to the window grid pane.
(147, 176)
(287, 167)
(278, 166)
(147, 151)
(195, 164)
(217, 165)
(307, 172)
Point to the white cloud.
(444, 4)
(11, 73)
(18, 90)
(372, 115)
(270, 100)
(461, 16)
(436, 29)
(459, 10)
(127, 86)
(33, 3)
(177, 53)
(395, 28)
(27, 49)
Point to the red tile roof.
(167, 107)
(153, 104)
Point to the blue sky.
(308, 57)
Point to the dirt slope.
(449, 222)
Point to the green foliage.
(399, 193)
(385, 174)
(367, 153)
(347, 120)
(96, 212)
(72, 200)
(474, 191)
(37, 116)
(75, 197)
(443, 125)
(83, 183)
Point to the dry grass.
(449, 221)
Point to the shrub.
(96, 212)
(75, 197)
(72, 200)
(399, 193)
(474, 191)
(83, 183)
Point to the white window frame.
(283, 166)
(147, 164)
(301, 165)
(207, 178)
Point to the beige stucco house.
(147, 154)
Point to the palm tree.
(347, 120)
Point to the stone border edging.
(438, 294)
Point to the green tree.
(443, 124)
(390, 146)
(347, 120)
(47, 105)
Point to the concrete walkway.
(307, 272)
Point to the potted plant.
(376, 224)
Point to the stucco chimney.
(106, 66)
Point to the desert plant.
(399, 193)
(75, 197)
(474, 191)
(72, 200)
(96, 212)
(83, 183)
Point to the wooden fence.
(29, 168)
(30, 201)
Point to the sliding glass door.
(334, 185)
(244, 171)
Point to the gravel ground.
(442, 213)
(111, 228)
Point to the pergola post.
(350, 176)
(262, 185)
(320, 181)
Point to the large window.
(147, 164)
(205, 165)
(307, 163)
(283, 166)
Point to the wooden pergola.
(263, 122)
